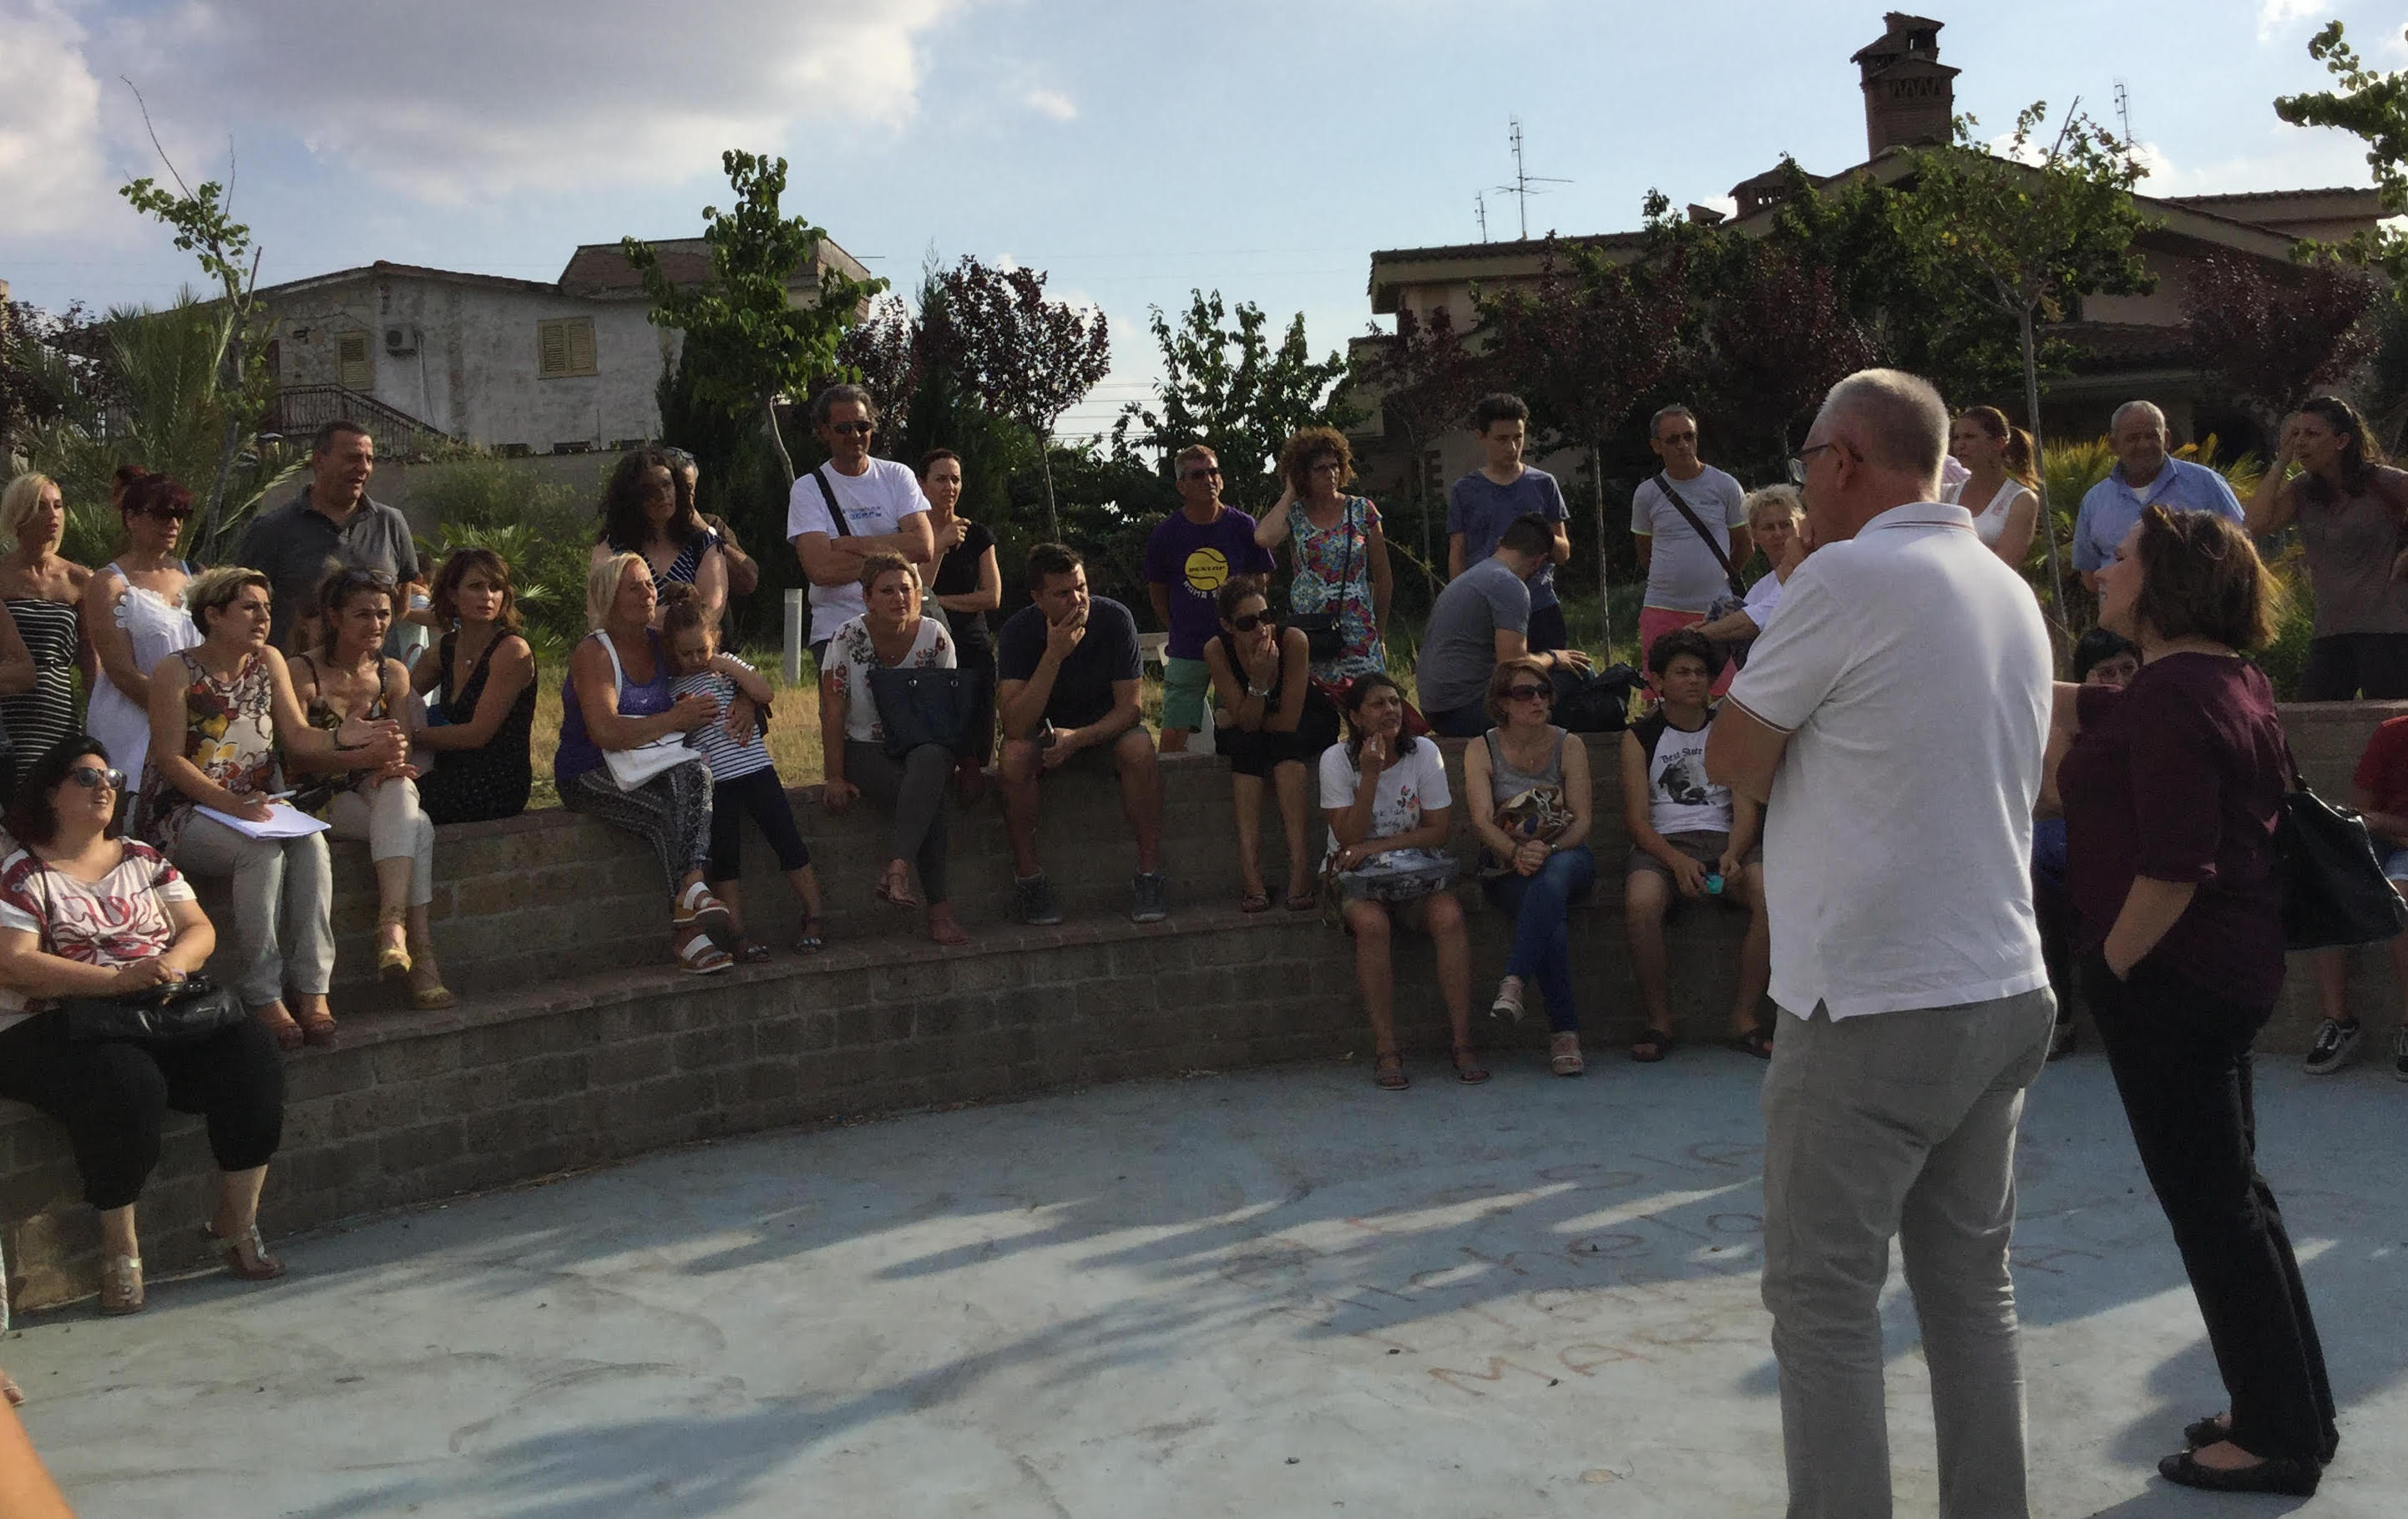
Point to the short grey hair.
(825, 402)
(2156, 415)
(1656, 423)
(1904, 422)
(1784, 499)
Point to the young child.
(744, 781)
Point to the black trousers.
(114, 1096)
(762, 797)
(979, 664)
(2343, 666)
(2181, 1063)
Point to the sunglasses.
(167, 514)
(92, 778)
(1252, 621)
(377, 577)
(1529, 693)
(1204, 474)
(853, 429)
(677, 458)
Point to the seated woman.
(218, 712)
(1690, 839)
(648, 510)
(84, 913)
(1384, 795)
(890, 634)
(1272, 722)
(345, 675)
(617, 700)
(1776, 519)
(1534, 825)
(479, 685)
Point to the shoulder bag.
(634, 769)
(1721, 607)
(175, 1012)
(919, 706)
(2334, 891)
(1325, 638)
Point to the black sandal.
(1756, 1041)
(1653, 1044)
(807, 939)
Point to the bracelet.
(1260, 693)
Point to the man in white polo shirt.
(882, 508)
(1892, 717)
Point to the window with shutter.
(565, 347)
(356, 370)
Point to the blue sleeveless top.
(578, 752)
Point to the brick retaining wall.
(573, 1045)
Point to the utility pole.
(1523, 179)
(1479, 209)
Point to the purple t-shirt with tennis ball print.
(1195, 560)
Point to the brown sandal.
(288, 1033)
(121, 1284)
(1388, 1071)
(245, 1255)
(317, 1028)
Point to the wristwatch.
(1260, 693)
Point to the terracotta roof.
(2124, 343)
(601, 269)
(411, 271)
(2240, 196)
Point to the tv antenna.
(1480, 210)
(1520, 188)
(2124, 111)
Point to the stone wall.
(574, 1045)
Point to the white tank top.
(1991, 520)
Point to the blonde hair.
(602, 585)
(1782, 498)
(17, 504)
(214, 590)
(883, 562)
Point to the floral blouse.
(1322, 556)
(851, 657)
(229, 734)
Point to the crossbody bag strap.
(1722, 555)
(1346, 568)
(836, 511)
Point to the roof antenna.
(1480, 210)
(2124, 111)
(1520, 188)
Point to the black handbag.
(1325, 638)
(923, 705)
(2334, 891)
(1595, 701)
(174, 1012)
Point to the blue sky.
(1133, 150)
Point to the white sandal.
(698, 905)
(698, 954)
(121, 1284)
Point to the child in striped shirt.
(744, 781)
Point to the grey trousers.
(270, 876)
(915, 788)
(1898, 1124)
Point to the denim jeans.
(1542, 949)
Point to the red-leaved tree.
(1781, 338)
(1426, 380)
(1016, 353)
(2276, 335)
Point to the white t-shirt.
(875, 503)
(1414, 785)
(1683, 574)
(851, 657)
(1763, 598)
(1911, 669)
(1680, 798)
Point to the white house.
(518, 365)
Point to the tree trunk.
(1597, 499)
(778, 439)
(2040, 469)
(227, 448)
(1045, 466)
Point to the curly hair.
(1308, 447)
(1684, 640)
(625, 525)
(2360, 457)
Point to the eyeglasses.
(1529, 693)
(853, 429)
(1678, 437)
(1209, 472)
(1798, 461)
(92, 778)
(1250, 621)
(677, 458)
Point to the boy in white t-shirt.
(1690, 839)
(1386, 799)
(881, 507)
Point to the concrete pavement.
(1278, 1293)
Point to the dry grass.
(794, 727)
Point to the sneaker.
(2060, 1040)
(1033, 899)
(1150, 897)
(2336, 1046)
(2399, 1054)
(1509, 999)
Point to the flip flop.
(1255, 902)
(1653, 1044)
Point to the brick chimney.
(1909, 94)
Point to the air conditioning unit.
(401, 340)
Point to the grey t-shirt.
(1683, 574)
(297, 547)
(1459, 646)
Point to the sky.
(1134, 149)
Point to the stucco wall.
(475, 374)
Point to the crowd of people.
(1896, 689)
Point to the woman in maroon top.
(2172, 789)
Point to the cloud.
(1053, 103)
(53, 174)
(2276, 16)
(449, 101)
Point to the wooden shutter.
(580, 346)
(565, 346)
(355, 370)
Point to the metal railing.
(299, 411)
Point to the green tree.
(1230, 388)
(2372, 106)
(2028, 233)
(758, 341)
(1426, 380)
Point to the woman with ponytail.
(2000, 490)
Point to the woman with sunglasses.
(1272, 722)
(648, 510)
(135, 607)
(219, 711)
(343, 676)
(44, 593)
(87, 913)
(1535, 826)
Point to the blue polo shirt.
(2110, 508)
